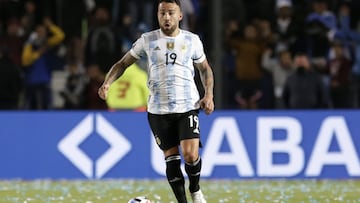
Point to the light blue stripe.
(171, 80)
(156, 76)
(187, 85)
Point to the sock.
(175, 177)
(193, 171)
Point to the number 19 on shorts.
(194, 123)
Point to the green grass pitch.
(216, 191)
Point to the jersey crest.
(170, 45)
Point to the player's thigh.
(188, 125)
(164, 131)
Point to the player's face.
(169, 16)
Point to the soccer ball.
(139, 200)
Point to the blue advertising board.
(236, 145)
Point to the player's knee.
(190, 156)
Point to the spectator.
(73, 93)
(340, 35)
(321, 26)
(13, 41)
(352, 40)
(28, 19)
(228, 64)
(248, 72)
(10, 82)
(280, 68)
(304, 88)
(287, 30)
(129, 92)
(35, 59)
(103, 44)
(91, 97)
(339, 69)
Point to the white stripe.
(173, 158)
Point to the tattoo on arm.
(207, 77)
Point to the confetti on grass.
(216, 191)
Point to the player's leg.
(174, 173)
(189, 148)
(166, 137)
(190, 143)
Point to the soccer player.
(174, 102)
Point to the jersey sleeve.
(199, 54)
(137, 49)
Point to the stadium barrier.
(236, 145)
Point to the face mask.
(300, 69)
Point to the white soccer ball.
(139, 200)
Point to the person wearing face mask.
(280, 67)
(304, 89)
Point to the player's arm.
(115, 72)
(207, 79)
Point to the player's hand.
(207, 104)
(103, 91)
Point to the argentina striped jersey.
(171, 70)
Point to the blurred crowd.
(300, 55)
(277, 54)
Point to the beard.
(168, 30)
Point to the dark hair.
(171, 1)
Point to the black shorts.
(170, 129)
